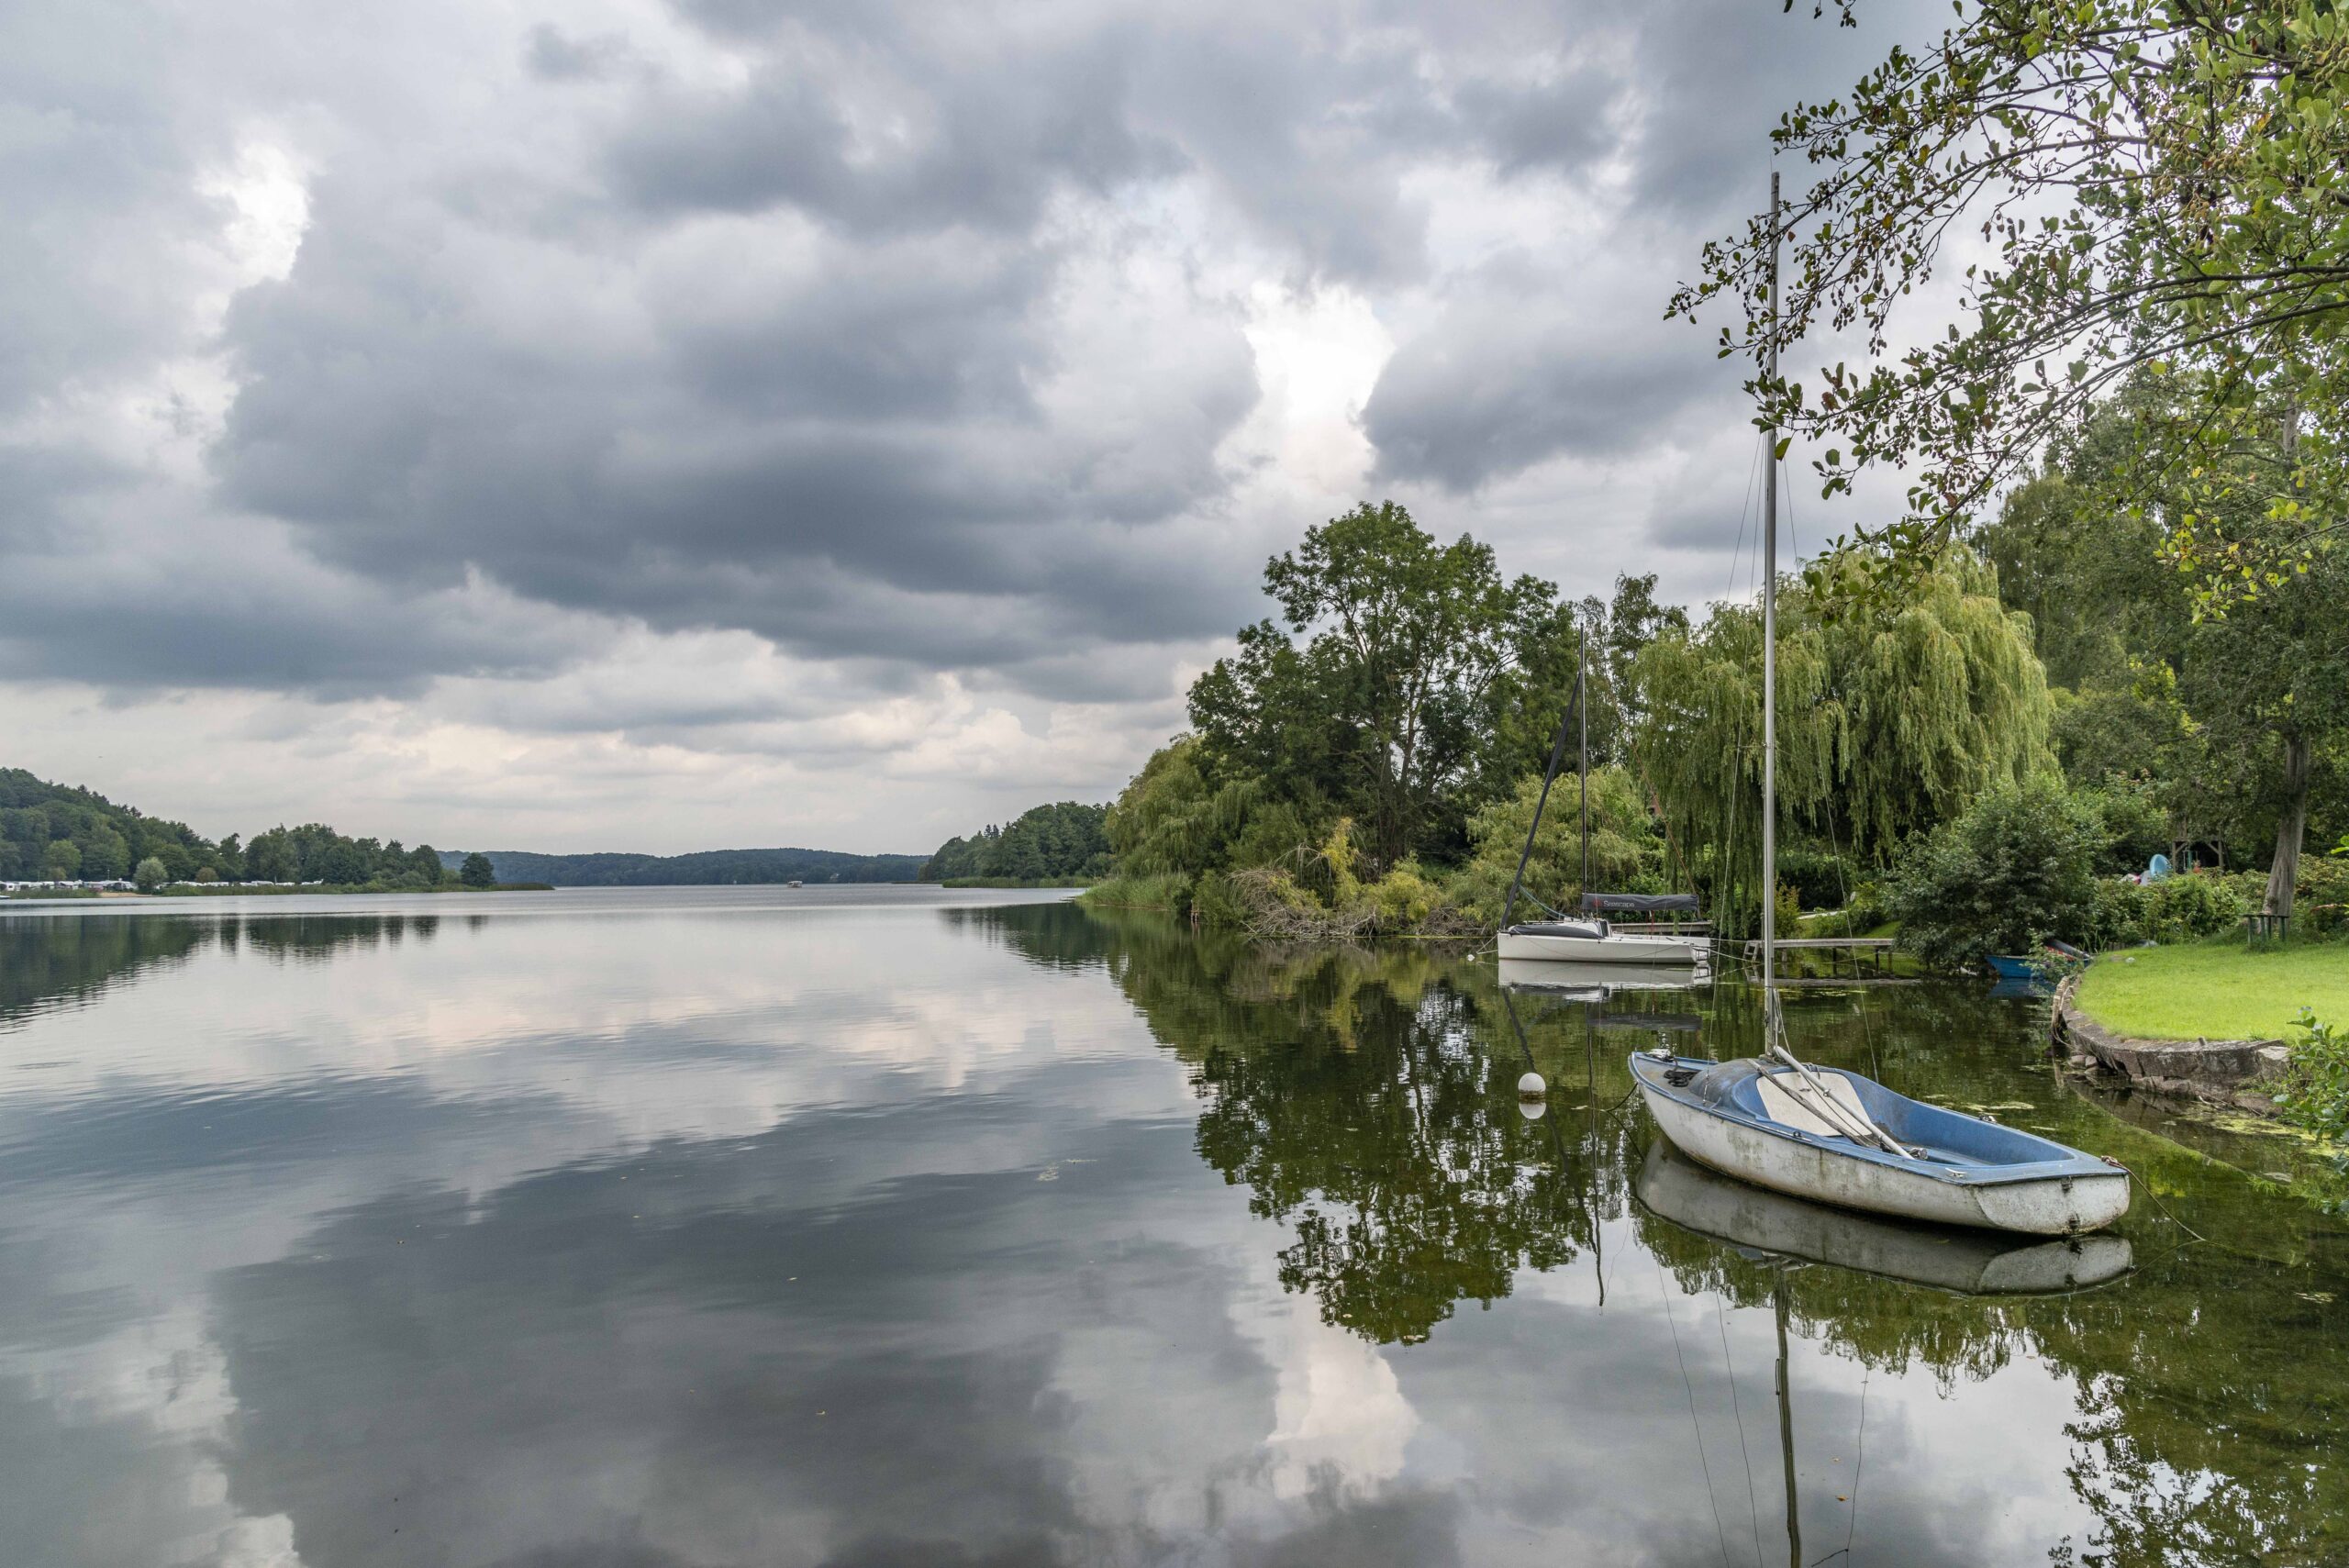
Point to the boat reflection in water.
(1593, 982)
(1783, 1234)
(1970, 1263)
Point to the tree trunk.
(2285, 870)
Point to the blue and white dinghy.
(1838, 1138)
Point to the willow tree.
(1888, 724)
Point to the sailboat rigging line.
(1548, 776)
(2147, 1188)
(1664, 1288)
(1753, 1508)
(1859, 1468)
(1744, 510)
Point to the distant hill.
(704, 868)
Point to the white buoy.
(1530, 1086)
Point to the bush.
(150, 874)
(2180, 908)
(2320, 898)
(1789, 911)
(2016, 869)
(2118, 916)
(2315, 1090)
(1820, 879)
(1167, 890)
(2175, 909)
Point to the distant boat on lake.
(1591, 938)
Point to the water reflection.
(662, 1233)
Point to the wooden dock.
(1867, 958)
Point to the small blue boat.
(1805, 1129)
(2007, 967)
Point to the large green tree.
(2157, 184)
(1390, 686)
(2234, 719)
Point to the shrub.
(1820, 878)
(1404, 898)
(1789, 911)
(2315, 1090)
(2118, 915)
(1167, 890)
(2180, 908)
(2320, 898)
(150, 874)
(2016, 869)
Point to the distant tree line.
(703, 868)
(1047, 843)
(58, 833)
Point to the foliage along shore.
(1982, 758)
(51, 832)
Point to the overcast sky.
(662, 426)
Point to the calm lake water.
(636, 1228)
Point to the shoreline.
(2217, 1072)
(231, 890)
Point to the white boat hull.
(2054, 1206)
(1621, 946)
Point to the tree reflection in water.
(1367, 1099)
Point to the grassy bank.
(2218, 990)
(1014, 881)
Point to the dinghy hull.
(2063, 1195)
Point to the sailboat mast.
(1770, 633)
(1582, 713)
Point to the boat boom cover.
(1641, 903)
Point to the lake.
(868, 1227)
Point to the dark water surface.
(875, 1226)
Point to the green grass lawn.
(2215, 990)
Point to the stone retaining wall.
(2228, 1071)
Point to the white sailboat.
(1836, 1136)
(1589, 937)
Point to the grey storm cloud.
(890, 332)
(1518, 369)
